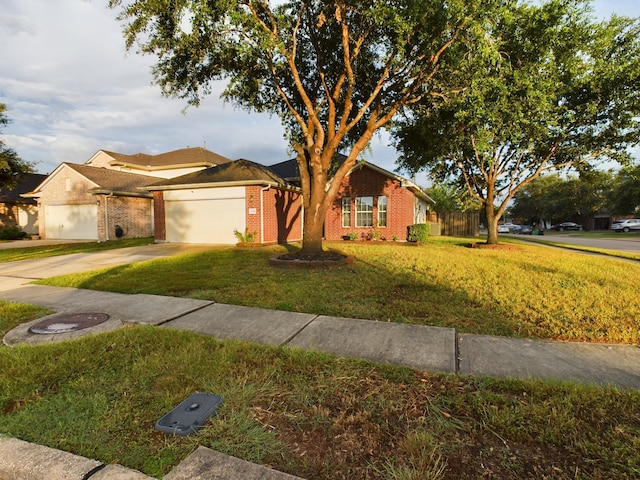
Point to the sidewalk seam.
(456, 346)
(195, 309)
(294, 335)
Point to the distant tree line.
(554, 198)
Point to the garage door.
(205, 221)
(77, 222)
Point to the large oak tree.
(334, 71)
(563, 94)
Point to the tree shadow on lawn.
(374, 288)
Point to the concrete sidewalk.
(420, 347)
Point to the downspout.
(262, 190)
(106, 216)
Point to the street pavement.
(425, 348)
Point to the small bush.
(246, 237)
(418, 232)
(12, 233)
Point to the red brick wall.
(131, 214)
(366, 182)
(159, 219)
(282, 220)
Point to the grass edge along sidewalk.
(309, 414)
(528, 292)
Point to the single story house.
(17, 211)
(371, 203)
(209, 205)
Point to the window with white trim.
(346, 212)
(364, 211)
(382, 211)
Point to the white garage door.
(205, 221)
(77, 222)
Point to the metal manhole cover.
(68, 322)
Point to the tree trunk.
(312, 232)
(492, 224)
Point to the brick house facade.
(374, 203)
(90, 203)
(277, 217)
(209, 205)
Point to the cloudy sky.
(71, 89)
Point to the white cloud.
(72, 89)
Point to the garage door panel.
(204, 221)
(71, 222)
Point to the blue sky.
(71, 90)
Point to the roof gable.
(408, 184)
(240, 172)
(104, 180)
(112, 180)
(289, 171)
(185, 157)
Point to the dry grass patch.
(312, 415)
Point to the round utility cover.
(68, 322)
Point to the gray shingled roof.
(184, 156)
(26, 183)
(113, 180)
(238, 172)
(290, 171)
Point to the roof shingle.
(113, 180)
(177, 158)
(233, 172)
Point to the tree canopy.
(335, 72)
(624, 196)
(563, 93)
(555, 199)
(11, 165)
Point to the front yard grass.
(532, 292)
(309, 414)
(34, 250)
(14, 314)
(323, 417)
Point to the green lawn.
(313, 415)
(39, 251)
(533, 291)
(319, 416)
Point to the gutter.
(234, 183)
(111, 193)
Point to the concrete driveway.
(14, 274)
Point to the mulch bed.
(318, 260)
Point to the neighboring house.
(17, 211)
(89, 203)
(371, 203)
(102, 199)
(209, 205)
(165, 165)
(196, 196)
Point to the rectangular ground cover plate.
(190, 415)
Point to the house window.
(364, 212)
(346, 212)
(382, 211)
